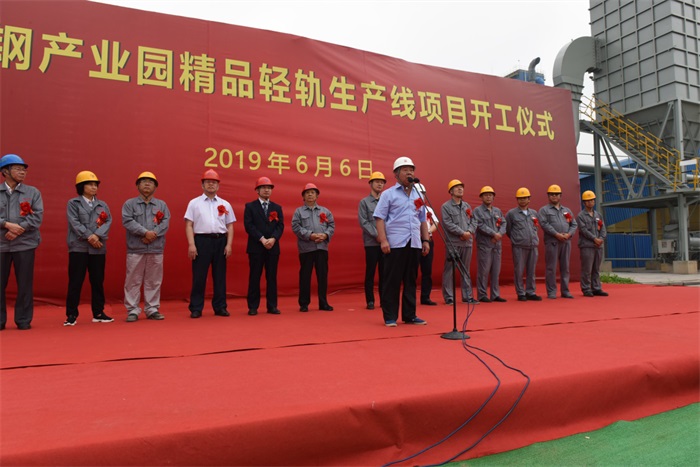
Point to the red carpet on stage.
(338, 388)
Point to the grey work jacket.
(83, 222)
(29, 219)
(488, 224)
(555, 221)
(307, 220)
(590, 228)
(139, 217)
(456, 220)
(521, 228)
(365, 215)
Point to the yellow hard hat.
(554, 189)
(453, 183)
(587, 195)
(487, 189)
(376, 176)
(147, 175)
(86, 176)
(522, 193)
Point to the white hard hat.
(403, 160)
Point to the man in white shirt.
(209, 229)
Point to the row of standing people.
(208, 227)
(461, 226)
(209, 231)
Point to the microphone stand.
(456, 264)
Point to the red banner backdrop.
(117, 91)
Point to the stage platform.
(339, 388)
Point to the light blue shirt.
(401, 217)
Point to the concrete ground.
(644, 276)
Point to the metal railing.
(647, 147)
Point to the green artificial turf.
(667, 439)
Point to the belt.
(210, 235)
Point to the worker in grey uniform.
(374, 258)
(521, 228)
(559, 227)
(490, 228)
(21, 215)
(591, 237)
(460, 226)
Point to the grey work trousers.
(146, 270)
(556, 251)
(590, 269)
(489, 267)
(465, 255)
(524, 260)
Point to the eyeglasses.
(554, 194)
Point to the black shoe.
(325, 308)
(24, 327)
(484, 300)
(522, 298)
(500, 299)
(370, 305)
(533, 297)
(600, 293)
(273, 311)
(304, 308)
(102, 318)
(588, 293)
(449, 301)
(252, 311)
(195, 314)
(223, 312)
(567, 295)
(428, 302)
(2, 327)
(471, 301)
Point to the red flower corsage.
(469, 212)
(419, 203)
(102, 218)
(600, 223)
(25, 209)
(499, 221)
(159, 217)
(222, 210)
(273, 217)
(568, 217)
(535, 221)
(322, 218)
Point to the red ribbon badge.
(600, 223)
(419, 203)
(273, 217)
(430, 215)
(25, 209)
(159, 217)
(568, 217)
(469, 212)
(535, 221)
(322, 218)
(499, 221)
(102, 218)
(222, 210)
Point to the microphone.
(413, 180)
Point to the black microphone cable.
(471, 349)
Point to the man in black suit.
(264, 224)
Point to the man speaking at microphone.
(403, 234)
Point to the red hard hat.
(262, 181)
(210, 175)
(310, 186)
